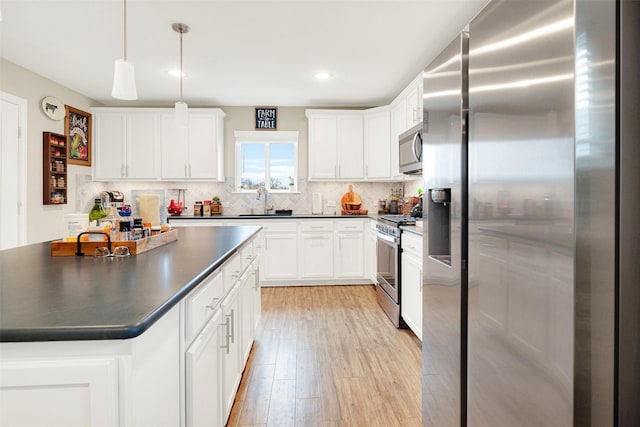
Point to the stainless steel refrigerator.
(531, 296)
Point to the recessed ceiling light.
(176, 73)
(323, 75)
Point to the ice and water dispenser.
(439, 220)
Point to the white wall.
(43, 222)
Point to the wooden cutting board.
(350, 197)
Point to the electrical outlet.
(225, 204)
(331, 203)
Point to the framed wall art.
(77, 128)
(266, 118)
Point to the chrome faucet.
(262, 191)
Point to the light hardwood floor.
(329, 356)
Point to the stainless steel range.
(389, 271)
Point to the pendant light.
(182, 110)
(124, 79)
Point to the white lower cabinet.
(183, 371)
(411, 286)
(316, 250)
(370, 251)
(231, 370)
(37, 392)
(202, 379)
(279, 250)
(349, 249)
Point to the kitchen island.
(128, 341)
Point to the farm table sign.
(266, 118)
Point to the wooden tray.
(62, 248)
(358, 212)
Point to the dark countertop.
(45, 298)
(261, 217)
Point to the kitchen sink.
(284, 212)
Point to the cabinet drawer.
(349, 225)
(247, 254)
(201, 303)
(316, 226)
(278, 226)
(412, 244)
(231, 271)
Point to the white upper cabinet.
(125, 144)
(323, 146)
(336, 144)
(195, 152)
(145, 144)
(398, 125)
(377, 136)
(414, 102)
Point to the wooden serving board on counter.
(136, 247)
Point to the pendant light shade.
(182, 114)
(124, 79)
(182, 109)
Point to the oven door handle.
(386, 238)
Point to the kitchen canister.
(76, 223)
(316, 203)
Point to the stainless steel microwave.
(410, 146)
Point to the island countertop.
(45, 298)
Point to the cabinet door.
(174, 149)
(230, 351)
(202, 381)
(246, 316)
(370, 252)
(411, 289)
(398, 125)
(350, 147)
(109, 134)
(317, 255)
(349, 258)
(378, 145)
(257, 296)
(280, 256)
(142, 140)
(323, 143)
(203, 147)
(413, 98)
(65, 392)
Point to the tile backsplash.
(236, 203)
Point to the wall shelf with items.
(54, 169)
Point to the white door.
(109, 160)
(203, 394)
(378, 140)
(202, 159)
(350, 147)
(174, 149)
(323, 157)
(350, 257)
(142, 143)
(13, 171)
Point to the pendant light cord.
(181, 66)
(124, 29)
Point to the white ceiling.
(238, 52)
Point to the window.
(266, 158)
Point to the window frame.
(266, 138)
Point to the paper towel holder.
(316, 203)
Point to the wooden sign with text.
(266, 118)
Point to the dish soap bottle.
(97, 213)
